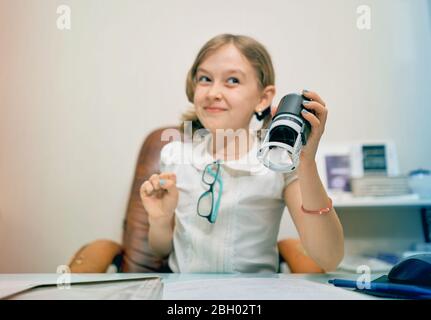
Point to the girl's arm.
(160, 235)
(321, 235)
(159, 196)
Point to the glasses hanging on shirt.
(207, 207)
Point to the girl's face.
(227, 91)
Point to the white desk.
(289, 286)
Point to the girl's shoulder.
(171, 151)
(175, 152)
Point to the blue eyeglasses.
(206, 206)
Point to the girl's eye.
(203, 79)
(233, 80)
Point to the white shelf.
(349, 201)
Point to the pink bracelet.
(320, 211)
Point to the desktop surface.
(182, 286)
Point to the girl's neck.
(233, 145)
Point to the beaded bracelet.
(320, 211)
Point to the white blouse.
(244, 236)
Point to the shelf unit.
(411, 200)
(348, 201)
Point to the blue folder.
(382, 287)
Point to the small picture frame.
(374, 158)
(334, 167)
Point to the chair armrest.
(296, 258)
(95, 257)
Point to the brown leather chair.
(135, 254)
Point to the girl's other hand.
(159, 195)
(317, 120)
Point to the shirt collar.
(248, 163)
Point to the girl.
(212, 211)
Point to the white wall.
(76, 105)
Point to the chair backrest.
(138, 255)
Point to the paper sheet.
(256, 289)
(88, 286)
(124, 290)
(8, 288)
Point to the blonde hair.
(255, 53)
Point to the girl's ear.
(266, 98)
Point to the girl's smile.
(214, 109)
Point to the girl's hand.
(159, 195)
(317, 122)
